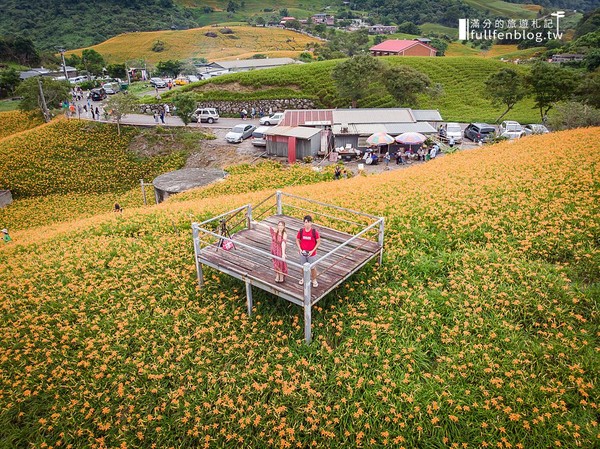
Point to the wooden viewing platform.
(340, 254)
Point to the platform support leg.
(307, 305)
(249, 297)
(279, 204)
(196, 252)
(380, 239)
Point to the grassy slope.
(194, 44)
(505, 9)
(480, 328)
(461, 77)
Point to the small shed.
(179, 181)
(293, 142)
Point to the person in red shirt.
(308, 240)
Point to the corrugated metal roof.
(359, 129)
(253, 63)
(427, 115)
(308, 117)
(301, 132)
(395, 129)
(392, 115)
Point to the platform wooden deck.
(258, 268)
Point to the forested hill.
(579, 5)
(80, 23)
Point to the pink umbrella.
(411, 138)
(380, 139)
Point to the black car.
(480, 132)
(98, 94)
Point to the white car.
(208, 115)
(511, 130)
(535, 129)
(452, 130)
(258, 136)
(273, 120)
(239, 132)
(193, 78)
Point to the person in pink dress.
(278, 245)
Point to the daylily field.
(480, 329)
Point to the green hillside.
(462, 79)
(479, 329)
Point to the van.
(98, 94)
(451, 130)
(258, 136)
(208, 115)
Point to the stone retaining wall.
(228, 107)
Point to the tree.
(505, 87)
(260, 21)
(409, 28)
(572, 114)
(404, 84)
(119, 105)
(549, 84)
(354, 76)
(588, 91)
(55, 92)
(92, 61)
(9, 80)
(117, 71)
(440, 45)
(293, 24)
(171, 67)
(232, 6)
(185, 105)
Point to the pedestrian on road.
(79, 109)
(387, 158)
(167, 110)
(156, 117)
(161, 112)
(92, 112)
(97, 113)
(253, 113)
(270, 112)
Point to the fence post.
(249, 216)
(279, 205)
(249, 297)
(196, 252)
(380, 240)
(143, 192)
(307, 305)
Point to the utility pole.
(62, 55)
(45, 111)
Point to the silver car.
(239, 132)
(535, 129)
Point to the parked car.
(208, 115)
(78, 79)
(111, 88)
(258, 136)
(451, 130)
(273, 120)
(193, 78)
(98, 94)
(510, 129)
(181, 81)
(535, 129)
(158, 82)
(239, 132)
(480, 132)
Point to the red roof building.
(402, 47)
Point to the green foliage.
(170, 68)
(9, 80)
(571, 114)
(78, 24)
(354, 76)
(158, 46)
(18, 49)
(588, 91)
(549, 84)
(405, 83)
(55, 92)
(120, 105)
(117, 71)
(440, 45)
(343, 44)
(92, 61)
(589, 23)
(409, 28)
(507, 87)
(185, 104)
